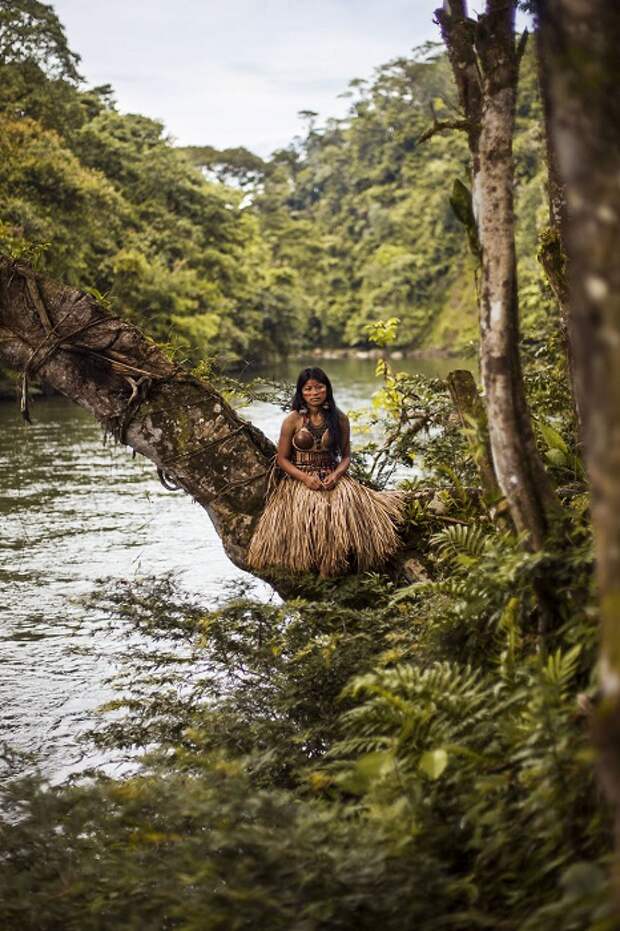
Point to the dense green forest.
(411, 749)
(223, 254)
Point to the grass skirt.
(302, 530)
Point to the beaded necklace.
(316, 431)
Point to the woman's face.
(314, 392)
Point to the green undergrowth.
(366, 754)
(409, 753)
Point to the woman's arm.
(345, 434)
(284, 454)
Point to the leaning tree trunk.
(581, 39)
(196, 440)
(107, 366)
(485, 61)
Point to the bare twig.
(442, 126)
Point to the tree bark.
(485, 60)
(107, 366)
(552, 251)
(469, 406)
(581, 39)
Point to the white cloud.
(237, 72)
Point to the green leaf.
(433, 763)
(375, 765)
(583, 878)
(460, 201)
(556, 457)
(369, 768)
(552, 438)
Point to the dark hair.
(332, 413)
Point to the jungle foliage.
(363, 754)
(223, 253)
(103, 200)
(373, 202)
(359, 755)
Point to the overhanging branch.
(112, 370)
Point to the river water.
(73, 511)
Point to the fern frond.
(458, 540)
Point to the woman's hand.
(313, 482)
(330, 480)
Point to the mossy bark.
(112, 370)
(552, 250)
(581, 39)
(469, 406)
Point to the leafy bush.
(408, 757)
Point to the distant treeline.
(221, 253)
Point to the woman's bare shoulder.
(342, 418)
(291, 421)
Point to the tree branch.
(442, 126)
(177, 421)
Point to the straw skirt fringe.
(302, 530)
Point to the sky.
(237, 72)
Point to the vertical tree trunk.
(552, 252)
(581, 41)
(485, 61)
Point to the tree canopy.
(220, 252)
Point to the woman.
(318, 518)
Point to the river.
(74, 511)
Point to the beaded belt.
(313, 460)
